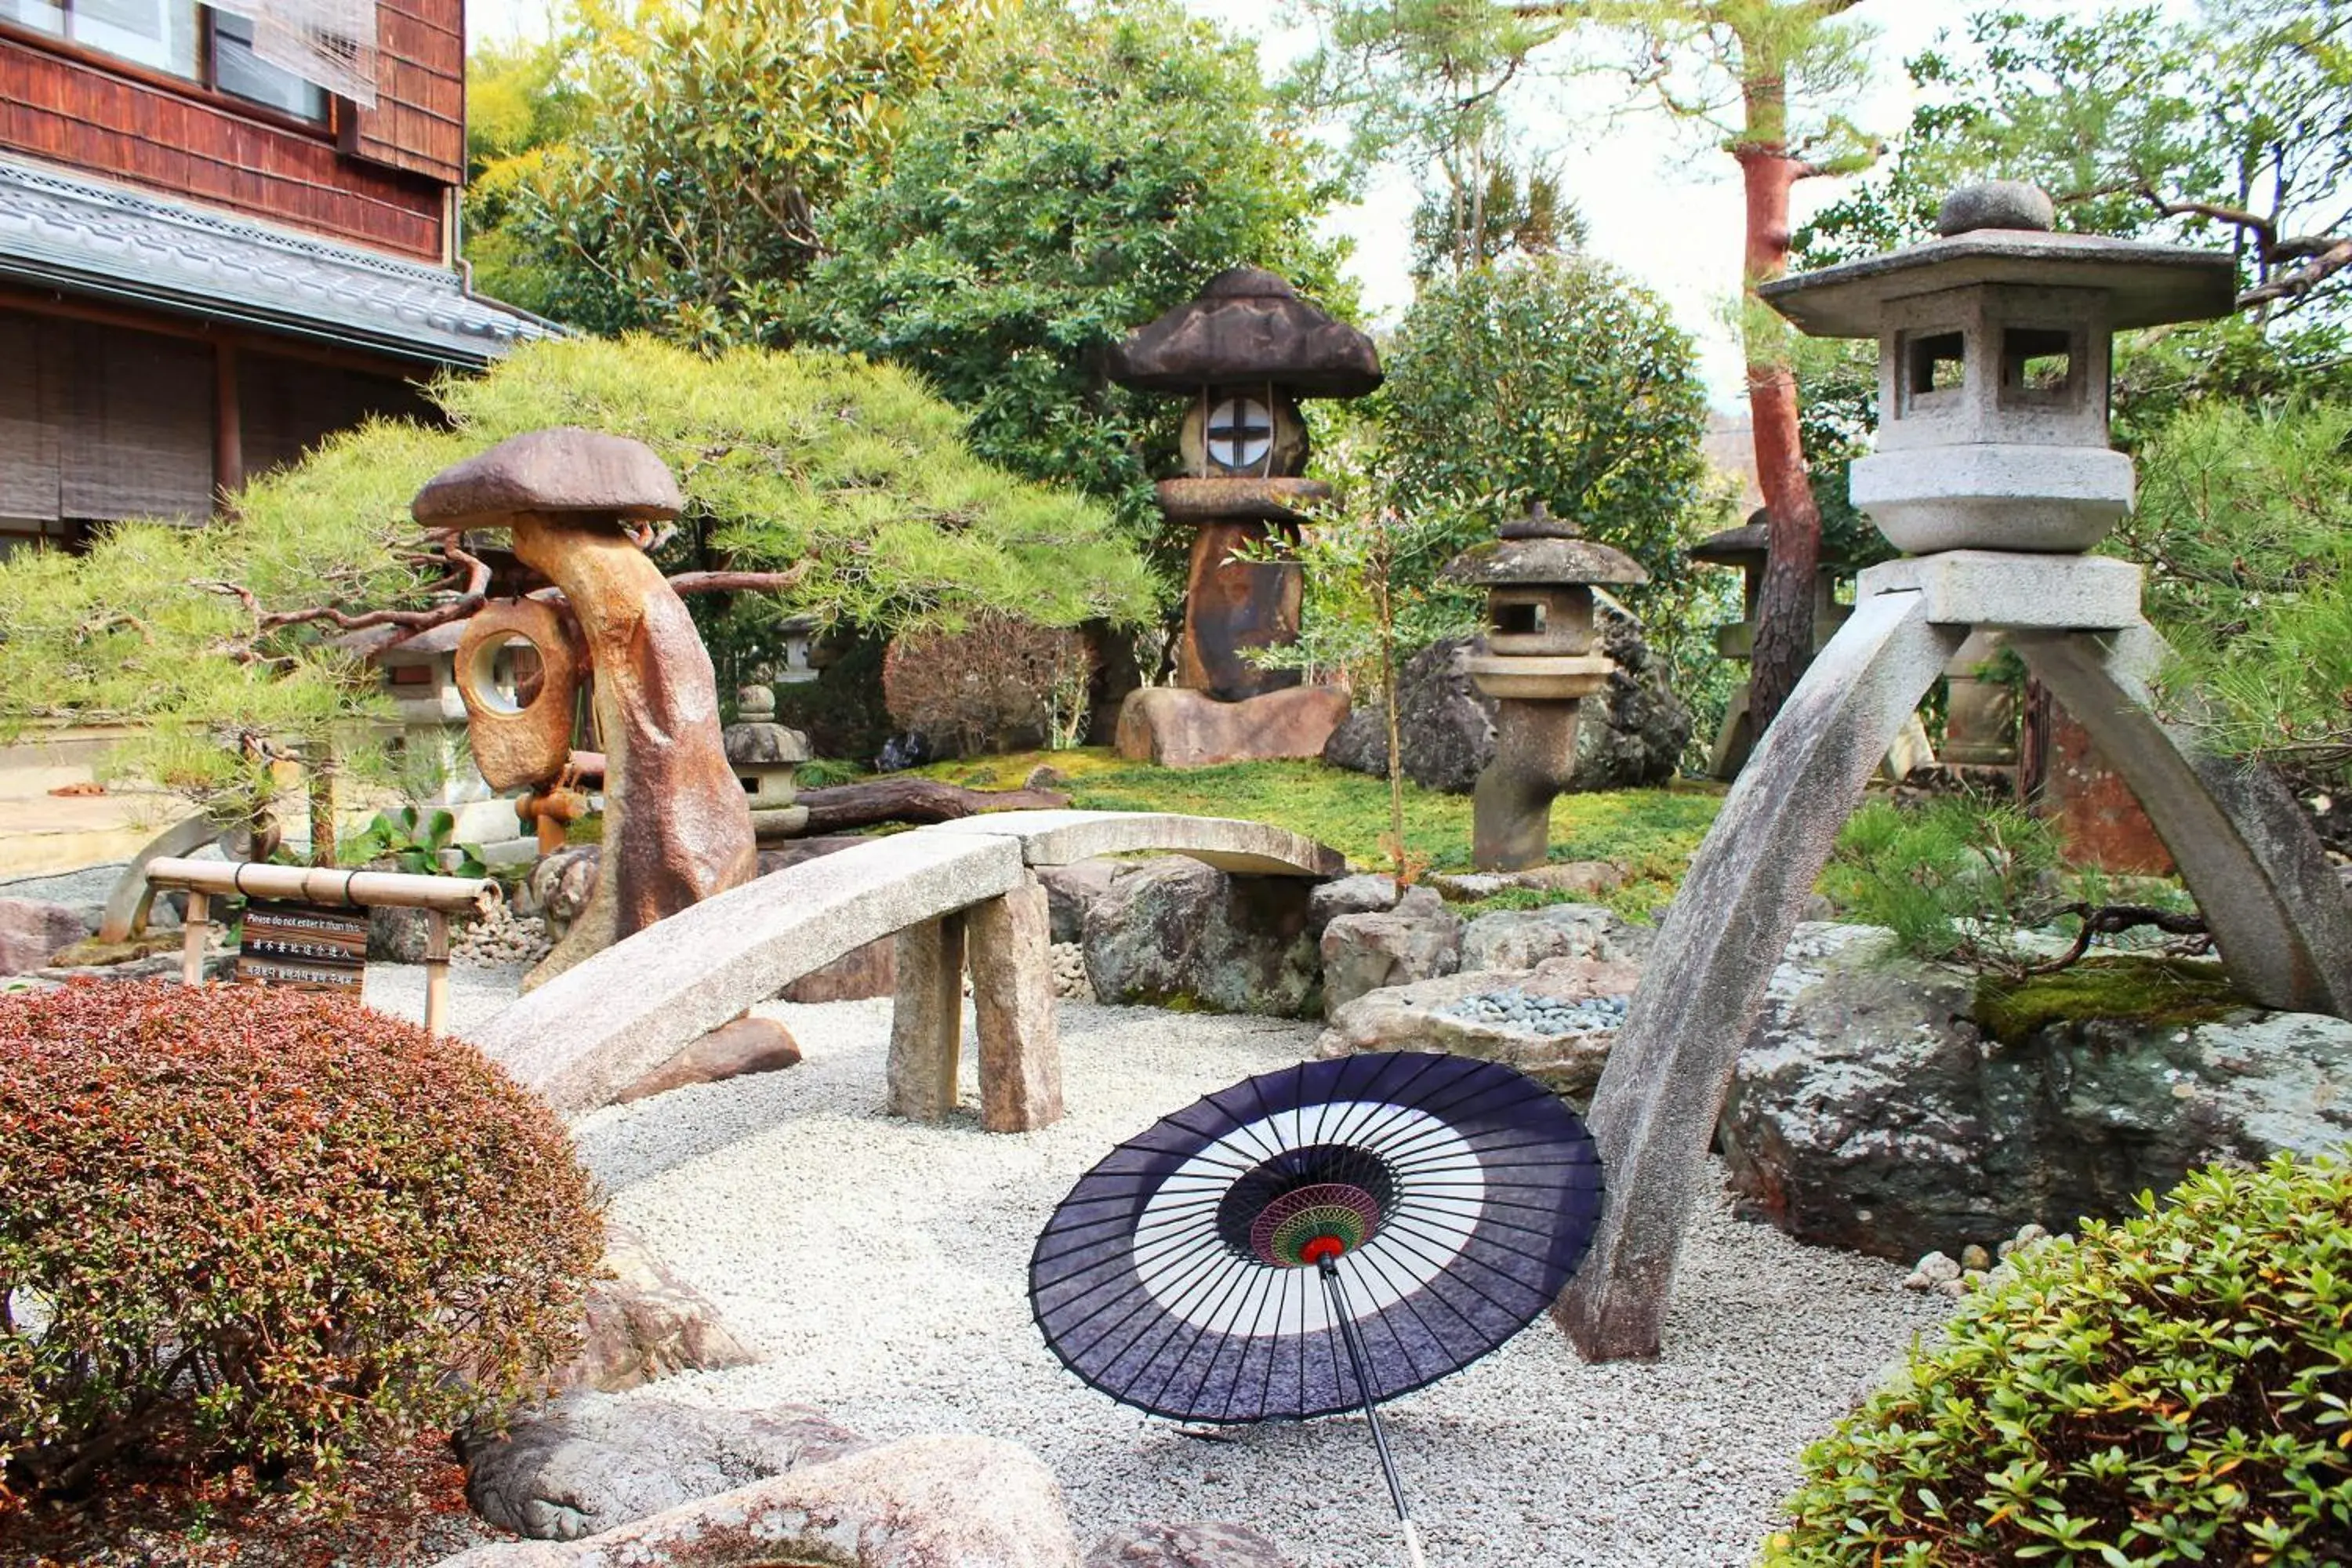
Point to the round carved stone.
(1276, 500)
(523, 737)
(1995, 203)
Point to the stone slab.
(2003, 589)
(1177, 727)
(1230, 844)
(599, 1027)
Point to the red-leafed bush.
(277, 1224)
(999, 685)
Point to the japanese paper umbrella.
(1318, 1239)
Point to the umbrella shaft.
(1348, 1336)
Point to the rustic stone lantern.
(1242, 355)
(1992, 470)
(1746, 548)
(1542, 660)
(766, 757)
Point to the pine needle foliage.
(850, 467)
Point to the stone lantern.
(1242, 355)
(1746, 548)
(766, 757)
(1542, 660)
(1993, 470)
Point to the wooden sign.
(309, 947)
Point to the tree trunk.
(1784, 611)
(845, 806)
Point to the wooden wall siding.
(66, 111)
(418, 123)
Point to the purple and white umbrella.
(1318, 1239)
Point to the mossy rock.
(2159, 992)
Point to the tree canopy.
(850, 477)
(1087, 171)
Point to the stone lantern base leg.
(1655, 1112)
(2275, 908)
(1534, 756)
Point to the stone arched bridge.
(599, 1027)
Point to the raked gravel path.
(880, 1268)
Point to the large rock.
(591, 1463)
(1071, 891)
(1418, 938)
(746, 1046)
(924, 1502)
(1870, 1112)
(561, 885)
(1447, 726)
(1418, 1018)
(1522, 938)
(1175, 932)
(34, 931)
(1177, 727)
(1629, 737)
(644, 1323)
(1186, 1546)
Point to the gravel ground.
(880, 1267)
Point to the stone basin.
(1409, 1019)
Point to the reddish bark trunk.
(1784, 611)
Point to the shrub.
(1000, 684)
(2173, 1388)
(272, 1222)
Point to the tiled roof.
(86, 238)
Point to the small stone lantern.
(1746, 547)
(1994, 346)
(1242, 355)
(766, 757)
(1543, 659)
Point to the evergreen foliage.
(1086, 171)
(2169, 1389)
(851, 471)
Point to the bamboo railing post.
(437, 971)
(196, 928)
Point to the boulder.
(1630, 736)
(1585, 878)
(1420, 938)
(857, 976)
(1422, 1016)
(1870, 1112)
(1357, 895)
(1177, 727)
(589, 1463)
(1186, 1546)
(1071, 891)
(734, 1049)
(923, 1502)
(1176, 932)
(1447, 725)
(34, 931)
(1522, 938)
(561, 885)
(643, 1323)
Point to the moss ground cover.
(1652, 833)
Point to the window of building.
(177, 37)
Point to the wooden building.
(223, 235)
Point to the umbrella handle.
(1412, 1546)
(1348, 1335)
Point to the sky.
(1659, 199)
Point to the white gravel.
(880, 1267)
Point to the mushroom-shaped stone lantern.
(676, 828)
(1542, 660)
(1993, 469)
(1244, 354)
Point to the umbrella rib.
(1404, 1299)
(1194, 1271)
(1198, 1325)
(1227, 1338)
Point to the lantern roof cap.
(1539, 550)
(1248, 325)
(1750, 541)
(562, 469)
(2148, 285)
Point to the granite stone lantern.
(1543, 658)
(1746, 548)
(1993, 473)
(1242, 355)
(766, 757)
